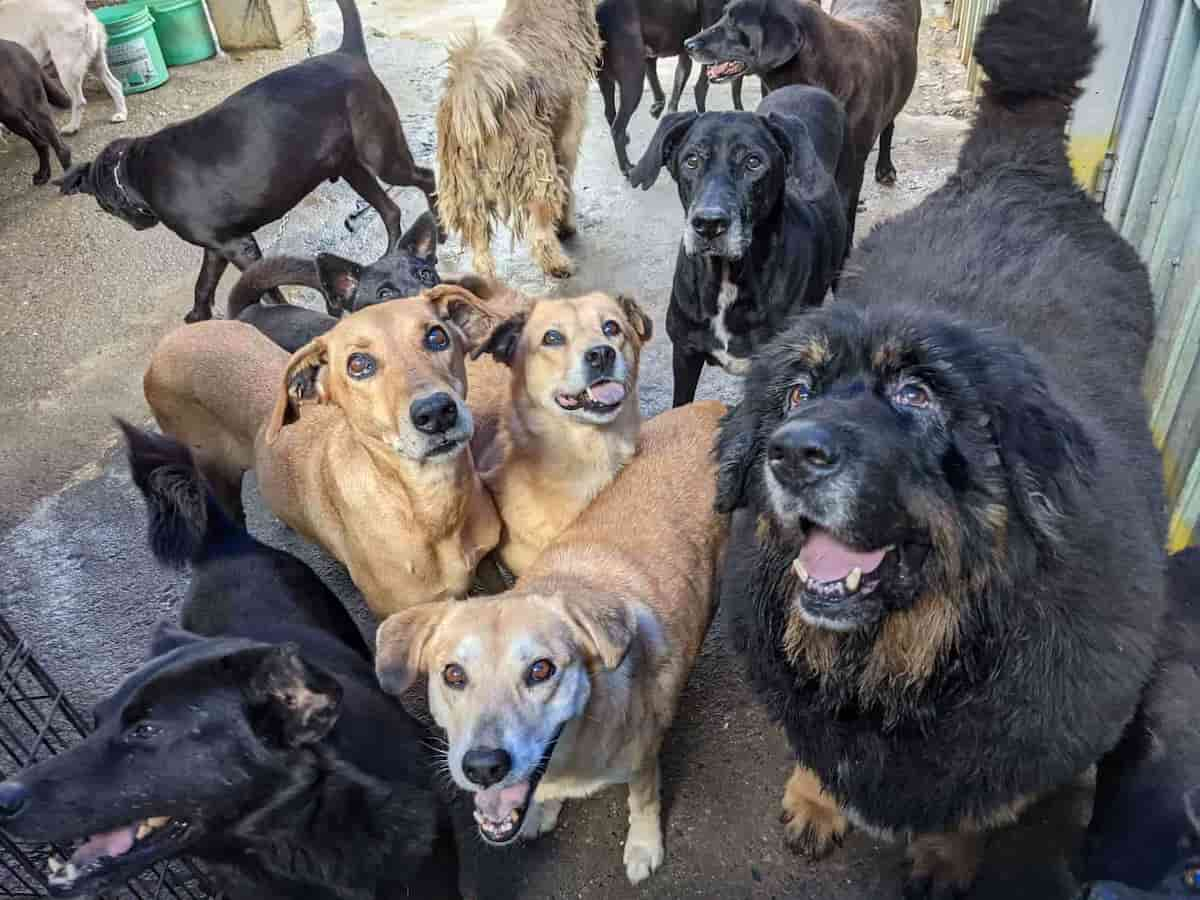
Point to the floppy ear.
(76, 180)
(783, 35)
(786, 131)
(504, 340)
(400, 645)
(457, 305)
(643, 326)
(302, 383)
(603, 631)
(420, 240)
(671, 130)
(293, 702)
(735, 456)
(481, 287)
(339, 282)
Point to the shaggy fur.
(962, 438)
(509, 126)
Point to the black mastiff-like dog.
(257, 740)
(945, 570)
(215, 179)
(764, 231)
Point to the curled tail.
(352, 30)
(266, 275)
(184, 518)
(54, 92)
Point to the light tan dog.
(569, 682)
(565, 395)
(509, 126)
(360, 440)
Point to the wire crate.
(37, 721)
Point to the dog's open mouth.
(445, 447)
(500, 811)
(830, 568)
(132, 847)
(602, 397)
(725, 71)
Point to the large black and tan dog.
(764, 231)
(946, 569)
(257, 740)
(216, 178)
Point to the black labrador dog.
(635, 34)
(765, 231)
(26, 93)
(255, 739)
(406, 269)
(218, 177)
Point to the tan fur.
(509, 125)
(546, 464)
(620, 603)
(327, 450)
(948, 860)
(815, 823)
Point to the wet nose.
(710, 222)
(803, 450)
(486, 766)
(13, 797)
(600, 359)
(434, 414)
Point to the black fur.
(260, 724)
(1025, 496)
(26, 93)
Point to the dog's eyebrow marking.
(469, 648)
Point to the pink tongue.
(498, 803)
(110, 843)
(828, 559)
(609, 393)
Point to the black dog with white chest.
(765, 230)
(256, 740)
(216, 178)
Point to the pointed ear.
(458, 306)
(339, 282)
(401, 642)
(671, 131)
(303, 382)
(504, 340)
(603, 631)
(293, 702)
(76, 180)
(641, 323)
(420, 240)
(735, 456)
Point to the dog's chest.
(727, 296)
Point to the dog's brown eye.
(436, 339)
(542, 670)
(913, 395)
(611, 328)
(691, 160)
(553, 338)
(753, 163)
(360, 365)
(454, 676)
(143, 731)
(799, 394)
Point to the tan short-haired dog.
(360, 440)
(565, 396)
(568, 683)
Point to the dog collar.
(128, 200)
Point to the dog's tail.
(485, 75)
(267, 274)
(54, 92)
(352, 30)
(185, 520)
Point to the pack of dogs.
(933, 527)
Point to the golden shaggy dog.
(509, 126)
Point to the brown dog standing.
(360, 440)
(565, 396)
(568, 683)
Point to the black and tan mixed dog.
(765, 227)
(256, 739)
(216, 178)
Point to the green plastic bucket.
(133, 52)
(182, 29)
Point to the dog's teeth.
(514, 816)
(854, 579)
(798, 568)
(143, 831)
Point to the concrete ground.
(85, 298)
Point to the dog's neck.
(129, 195)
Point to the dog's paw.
(197, 315)
(813, 824)
(542, 819)
(644, 852)
(40, 178)
(943, 866)
(566, 231)
(69, 129)
(656, 108)
(886, 176)
(119, 117)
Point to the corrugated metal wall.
(1135, 141)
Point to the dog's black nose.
(690, 44)
(803, 450)
(13, 797)
(486, 766)
(600, 359)
(710, 223)
(434, 414)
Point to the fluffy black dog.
(765, 228)
(945, 571)
(216, 178)
(257, 740)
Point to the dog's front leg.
(211, 270)
(687, 367)
(644, 849)
(814, 821)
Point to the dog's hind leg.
(656, 88)
(885, 171)
(367, 186)
(546, 250)
(683, 71)
(702, 89)
(71, 61)
(627, 63)
(383, 150)
(26, 129)
(644, 850)
(101, 70)
(567, 149)
(737, 93)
